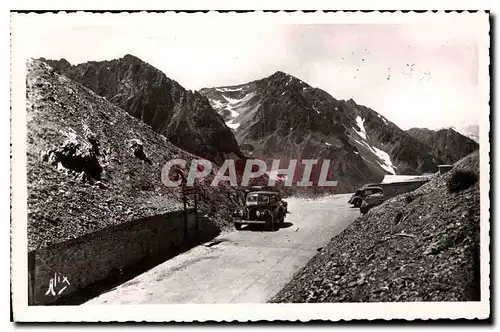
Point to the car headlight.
(242, 212)
(258, 213)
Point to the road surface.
(247, 266)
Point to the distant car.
(372, 196)
(357, 198)
(261, 207)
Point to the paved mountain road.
(247, 266)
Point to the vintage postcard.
(250, 166)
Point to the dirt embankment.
(419, 246)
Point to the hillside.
(184, 117)
(450, 145)
(420, 246)
(283, 117)
(91, 165)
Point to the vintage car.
(262, 208)
(357, 198)
(273, 189)
(372, 196)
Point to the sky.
(416, 72)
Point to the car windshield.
(372, 191)
(258, 198)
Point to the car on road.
(270, 188)
(372, 196)
(357, 198)
(261, 208)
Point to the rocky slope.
(184, 117)
(91, 165)
(448, 144)
(283, 117)
(420, 246)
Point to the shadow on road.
(116, 278)
(261, 228)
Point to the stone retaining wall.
(77, 263)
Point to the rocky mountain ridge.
(277, 117)
(447, 143)
(184, 117)
(281, 116)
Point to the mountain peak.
(281, 75)
(281, 78)
(130, 57)
(146, 93)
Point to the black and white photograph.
(250, 166)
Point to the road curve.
(247, 266)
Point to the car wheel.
(357, 203)
(237, 225)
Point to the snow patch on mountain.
(232, 101)
(216, 103)
(360, 122)
(384, 160)
(232, 105)
(232, 125)
(229, 89)
(383, 119)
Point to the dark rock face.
(283, 117)
(448, 144)
(184, 117)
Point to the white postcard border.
(239, 312)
